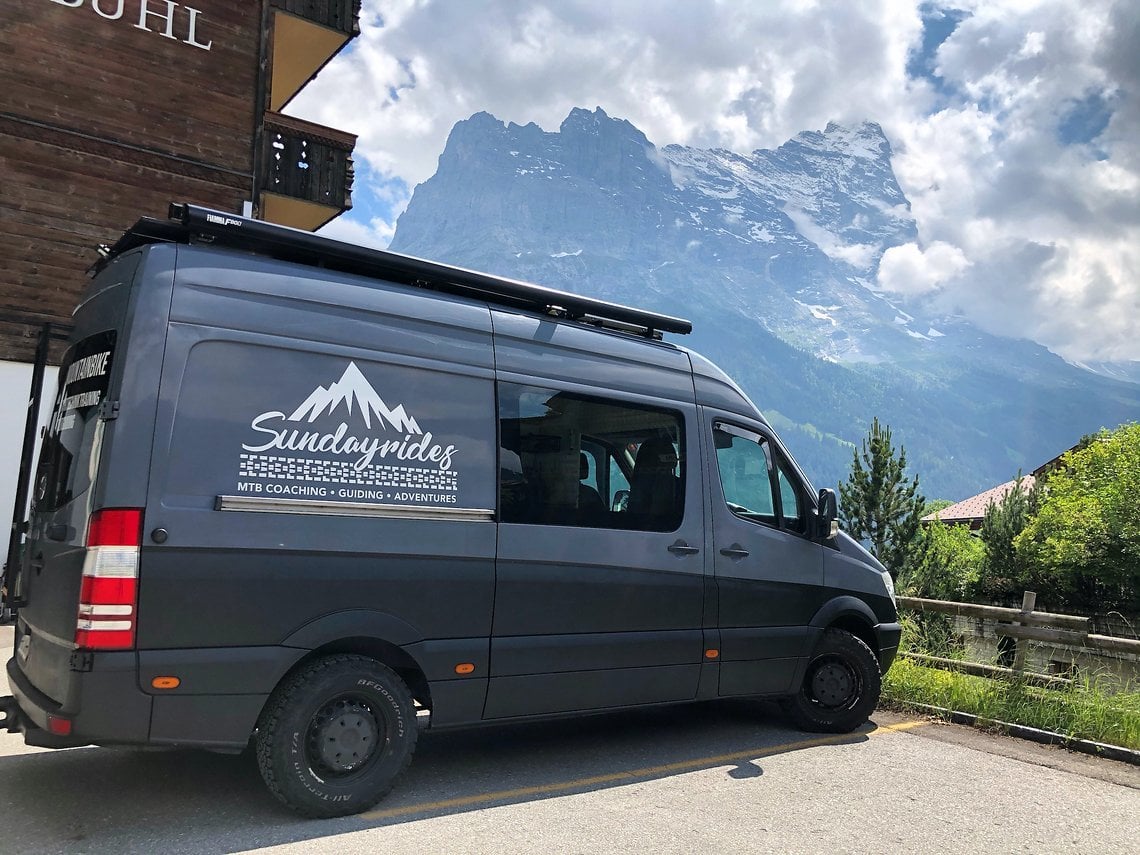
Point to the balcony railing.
(308, 162)
(341, 15)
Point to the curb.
(1033, 734)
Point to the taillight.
(109, 595)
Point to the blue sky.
(1015, 124)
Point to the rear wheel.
(335, 736)
(840, 688)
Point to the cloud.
(907, 269)
(1015, 125)
(858, 255)
(374, 233)
(737, 76)
(1044, 211)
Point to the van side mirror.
(827, 514)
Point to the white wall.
(15, 386)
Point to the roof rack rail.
(194, 224)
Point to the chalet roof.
(973, 509)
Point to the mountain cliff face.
(773, 256)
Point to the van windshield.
(68, 458)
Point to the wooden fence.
(1023, 625)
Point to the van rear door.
(52, 568)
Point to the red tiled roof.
(974, 508)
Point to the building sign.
(162, 17)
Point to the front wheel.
(840, 688)
(335, 736)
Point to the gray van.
(298, 494)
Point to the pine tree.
(1004, 571)
(878, 505)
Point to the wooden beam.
(919, 604)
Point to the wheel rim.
(833, 683)
(344, 737)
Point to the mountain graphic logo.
(353, 388)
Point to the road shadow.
(122, 800)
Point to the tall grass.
(1084, 710)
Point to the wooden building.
(111, 109)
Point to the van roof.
(190, 224)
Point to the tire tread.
(806, 717)
(286, 694)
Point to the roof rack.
(194, 224)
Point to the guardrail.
(1023, 625)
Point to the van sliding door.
(600, 569)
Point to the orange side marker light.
(465, 668)
(166, 682)
(712, 653)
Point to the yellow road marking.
(902, 725)
(634, 774)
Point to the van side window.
(750, 476)
(577, 460)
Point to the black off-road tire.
(336, 735)
(840, 688)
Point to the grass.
(1083, 711)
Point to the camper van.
(311, 498)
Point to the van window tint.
(745, 464)
(70, 450)
(748, 468)
(577, 460)
(789, 500)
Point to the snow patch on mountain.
(778, 255)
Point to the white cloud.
(907, 269)
(1027, 235)
(375, 233)
(859, 255)
(736, 75)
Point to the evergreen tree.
(878, 505)
(1004, 571)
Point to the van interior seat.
(591, 506)
(653, 488)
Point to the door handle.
(682, 548)
(734, 551)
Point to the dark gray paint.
(554, 619)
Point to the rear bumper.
(15, 720)
(222, 694)
(104, 706)
(888, 635)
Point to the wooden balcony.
(307, 172)
(306, 34)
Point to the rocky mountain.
(773, 256)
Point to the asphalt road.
(725, 777)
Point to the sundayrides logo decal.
(386, 457)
